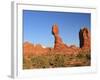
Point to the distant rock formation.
(84, 37)
(59, 46)
(31, 49)
(28, 48)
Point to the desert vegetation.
(53, 60)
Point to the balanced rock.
(59, 46)
(58, 41)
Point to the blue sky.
(37, 26)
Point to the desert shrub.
(88, 56)
(85, 55)
(26, 63)
(80, 56)
(40, 62)
(56, 60)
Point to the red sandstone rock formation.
(59, 45)
(84, 37)
(30, 49)
(27, 48)
(58, 41)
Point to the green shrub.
(40, 62)
(56, 60)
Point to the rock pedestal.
(58, 41)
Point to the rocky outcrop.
(28, 48)
(31, 49)
(58, 41)
(84, 37)
(59, 46)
